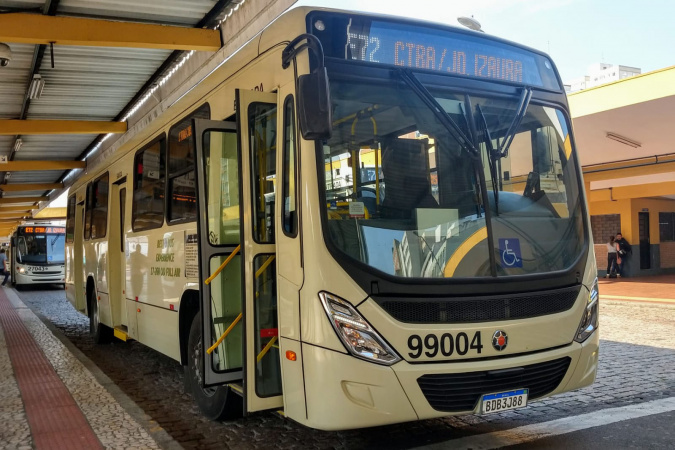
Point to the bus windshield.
(41, 248)
(406, 195)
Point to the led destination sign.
(42, 230)
(446, 51)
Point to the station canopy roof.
(82, 83)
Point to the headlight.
(355, 333)
(22, 270)
(589, 321)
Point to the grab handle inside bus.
(222, 266)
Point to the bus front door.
(235, 179)
(221, 255)
(257, 131)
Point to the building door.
(645, 251)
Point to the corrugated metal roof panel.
(52, 147)
(158, 11)
(92, 83)
(35, 176)
(14, 80)
(87, 83)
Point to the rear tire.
(216, 403)
(102, 334)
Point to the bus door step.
(120, 332)
(237, 387)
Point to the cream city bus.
(360, 219)
(37, 255)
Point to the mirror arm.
(291, 51)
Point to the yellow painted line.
(463, 249)
(638, 299)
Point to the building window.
(147, 210)
(667, 226)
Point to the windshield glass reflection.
(404, 197)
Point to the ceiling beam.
(19, 187)
(15, 127)
(12, 200)
(21, 166)
(41, 29)
(14, 209)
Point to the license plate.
(503, 401)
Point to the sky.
(575, 33)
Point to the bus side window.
(70, 220)
(182, 194)
(262, 119)
(147, 208)
(99, 207)
(289, 210)
(87, 214)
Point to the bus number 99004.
(446, 345)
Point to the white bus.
(459, 279)
(37, 255)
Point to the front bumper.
(39, 278)
(343, 392)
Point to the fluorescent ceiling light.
(623, 140)
(17, 144)
(37, 84)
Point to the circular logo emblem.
(499, 340)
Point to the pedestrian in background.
(611, 257)
(623, 250)
(3, 264)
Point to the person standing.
(623, 249)
(4, 263)
(611, 257)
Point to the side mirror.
(314, 106)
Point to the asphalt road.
(635, 378)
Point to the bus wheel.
(216, 403)
(102, 334)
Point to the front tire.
(216, 403)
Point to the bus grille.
(480, 309)
(460, 392)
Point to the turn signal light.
(291, 356)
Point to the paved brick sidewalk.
(27, 424)
(658, 287)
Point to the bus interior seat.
(406, 177)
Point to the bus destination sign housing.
(439, 49)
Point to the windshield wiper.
(418, 88)
(466, 143)
(525, 98)
(493, 157)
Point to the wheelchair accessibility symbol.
(509, 250)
